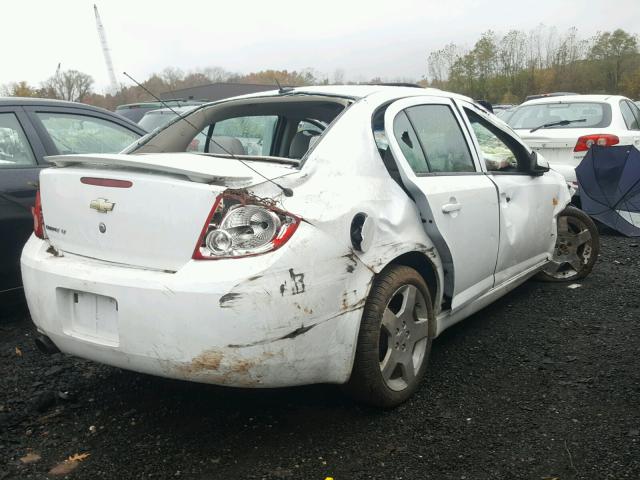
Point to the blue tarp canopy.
(609, 180)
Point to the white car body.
(557, 144)
(133, 296)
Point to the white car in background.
(371, 219)
(562, 128)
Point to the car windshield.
(597, 114)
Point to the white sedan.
(373, 218)
(562, 128)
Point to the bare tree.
(440, 62)
(172, 77)
(68, 85)
(338, 76)
(217, 74)
(512, 53)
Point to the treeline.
(507, 68)
(77, 86)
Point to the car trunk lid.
(154, 215)
(555, 145)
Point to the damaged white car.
(308, 235)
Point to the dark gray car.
(30, 129)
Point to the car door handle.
(451, 207)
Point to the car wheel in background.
(576, 250)
(395, 339)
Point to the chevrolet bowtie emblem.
(102, 205)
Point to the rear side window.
(15, 150)
(630, 119)
(441, 138)
(595, 114)
(409, 144)
(636, 111)
(72, 133)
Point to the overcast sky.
(389, 38)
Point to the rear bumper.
(257, 325)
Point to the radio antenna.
(282, 89)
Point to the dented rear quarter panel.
(343, 176)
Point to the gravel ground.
(543, 384)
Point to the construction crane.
(105, 51)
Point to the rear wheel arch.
(427, 270)
(394, 338)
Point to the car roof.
(33, 101)
(382, 93)
(162, 111)
(48, 102)
(174, 101)
(573, 99)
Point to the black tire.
(573, 243)
(392, 288)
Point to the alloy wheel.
(573, 250)
(403, 337)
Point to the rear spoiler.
(222, 170)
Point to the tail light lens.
(602, 140)
(241, 226)
(38, 219)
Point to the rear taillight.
(38, 220)
(585, 142)
(240, 225)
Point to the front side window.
(497, 154)
(15, 150)
(591, 114)
(72, 133)
(499, 150)
(255, 133)
(441, 138)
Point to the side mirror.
(538, 165)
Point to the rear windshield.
(531, 116)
